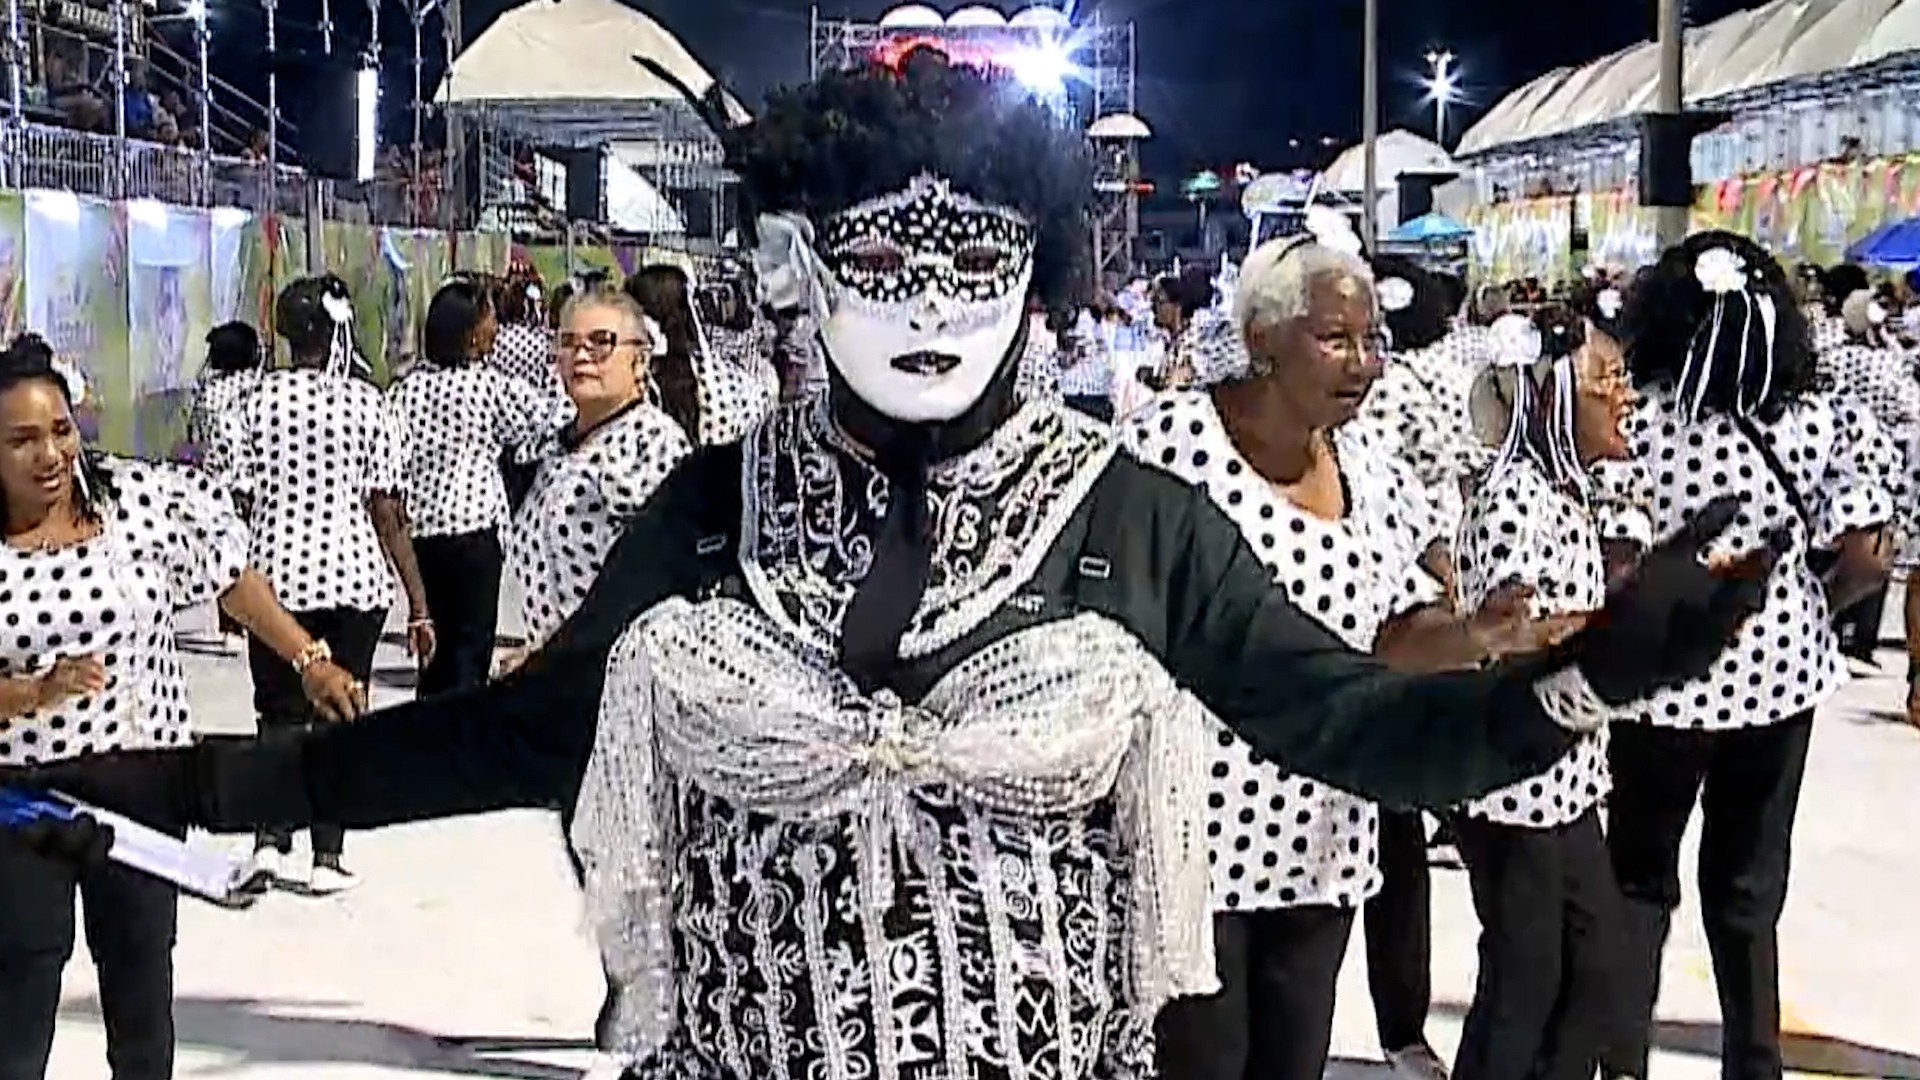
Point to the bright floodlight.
(912, 16)
(1043, 68)
(366, 99)
(196, 10)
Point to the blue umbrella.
(1428, 228)
(1890, 247)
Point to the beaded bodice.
(789, 878)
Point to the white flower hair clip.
(1396, 294)
(1516, 341)
(1720, 271)
(338, 308)
(1876, 315)
(1331, 229)
(75, 380)
(1609, 302)
(534, 294)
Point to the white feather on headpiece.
(1610, 302)
(791, 274)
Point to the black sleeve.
(520, 742)
(1192, 588)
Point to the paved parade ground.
(463, 955)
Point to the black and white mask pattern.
(927, 290)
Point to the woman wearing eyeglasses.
(596, 472)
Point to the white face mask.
(929, 290)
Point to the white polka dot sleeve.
(522, 415)
(1863, 472)
(1622, 496)
(388, 456)
(184, 519)
(639, 457)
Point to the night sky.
(1220, 81)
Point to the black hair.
(1428, 318)
(30, 359)
(1562, 331)
(1191, 290)
(452, 315)
(557, 303)
(1840, 282)
(662, 291)
(233, 346)
(1667, 306)
(1588, 302)
(516, 300)
(300, 314)
(853, 135)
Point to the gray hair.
(608, 295)
(1276, 276)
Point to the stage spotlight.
(1043, 69)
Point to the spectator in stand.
(68, 92)
(143, 112)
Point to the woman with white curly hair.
(1335, 521)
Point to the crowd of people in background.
(1394, 447)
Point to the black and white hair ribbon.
(1519, 347)
(339, 310)
(1739, 330)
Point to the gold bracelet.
(316, 651)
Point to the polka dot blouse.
(525, 354)
(1785, 661)
(214, 400)
(1621, 501)
(457, 422)
(312, 448)
(1517, 528)
(171, 540)
(1275, 839)
(737, 385)
(1417, 411)
(581, 499)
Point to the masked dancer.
(910, 657)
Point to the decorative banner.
(170, 310)
(76, 298)
(232, 244)
(13, 253)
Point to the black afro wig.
(1425, 320)
(1667, 306)
(854, 135)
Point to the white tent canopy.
(1398, 152)
(633, 203)
(1781, 40)
(558, 52)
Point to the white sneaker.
(1417, 1062)
(265, 869)
(332, 880)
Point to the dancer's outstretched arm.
(1303, 699)
(520, 742)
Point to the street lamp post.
(1442, 90)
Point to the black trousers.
(1546, 998)
(1859, 626)
(129, 920)
(282, 705)
(1747, 782)
(1399, 933)
(1098, 406)
(461, 575)
(1273, 1016)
